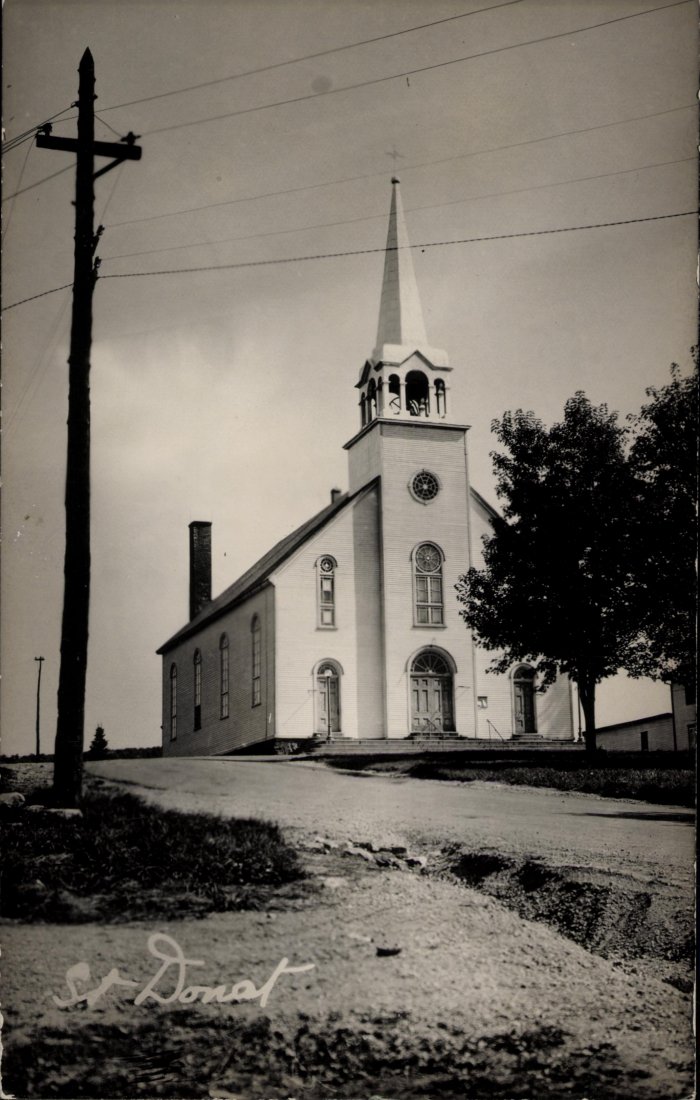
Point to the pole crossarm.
(119, 151)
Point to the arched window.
(197, 690)
(371, 400)
(363, 409)
(427, 585)
(417, 393)
(173, 702)
(440, 397)
(223, 676)
(256, 661)
(395, 393)
(328, 698)
(325, 591)
(432, 693)
(524, 717)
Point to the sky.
(224, 390)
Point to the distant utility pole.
(68, 763)
(38, 707)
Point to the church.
(349, 628)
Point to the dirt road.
(421, 986)
(650, 843)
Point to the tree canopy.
(664, 456)
(558, 585)
(98, 746)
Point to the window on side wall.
(223, 676)
(325, 591)
(173, 702)
(197, 690)
(256, 662)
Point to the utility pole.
(38, 707)
(68, 762)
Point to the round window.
(428, 558)
(327, 565)
(425, 486)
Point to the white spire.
(401, 328)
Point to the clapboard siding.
(371, 702)
(396, 452)
(302, 644)
(246, 724)
(627, 737)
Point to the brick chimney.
(200, 565)
(335, 493)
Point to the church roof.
(259, 573)
(401, 328)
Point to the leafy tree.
(664, 456)
(557, 587)
(98, 746)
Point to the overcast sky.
(226, 394)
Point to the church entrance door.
(431, 694)
(524, 700)
(328, 686)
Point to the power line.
(368, 251)
(108, 125)
(6, 145)
(409, 210)
(33, 298)
(38, 369)
(404, 168)
(31, 186)
(8, 217)
(17, 142)
(423, 246)
(309, 56)
(409, 72)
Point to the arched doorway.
(524, 700)
(327, 698)
(432, 694)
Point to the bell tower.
(409, 444)
(405, 378)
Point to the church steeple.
(400, 313)
(405, 377)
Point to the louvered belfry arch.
(405, 378)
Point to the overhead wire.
(8, 216)
(409, 210)
(367, 251)
(50, 344)
(406, 73)
(404, 168)
(53, 175)
(31, 186)
(33, 129)
(108, 125)
(17, 142)
(309, 56)
(33, 297)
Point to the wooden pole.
(38, 708)
(68, 763)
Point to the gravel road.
(420, 988)
(645, 842)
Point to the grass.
(124, 859)
(668, 785)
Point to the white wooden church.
(349, 628)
